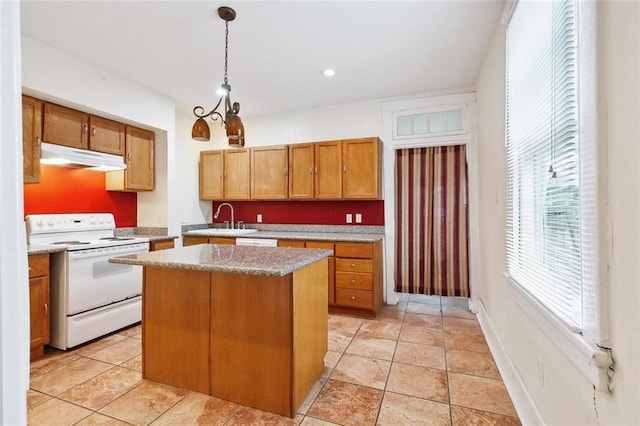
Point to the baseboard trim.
(522, 402)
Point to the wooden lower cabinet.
(255, 340)
(358, 278)
(193, 240)
(38, 303)
(161, 245)
(331, 267)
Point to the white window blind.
(544, 233)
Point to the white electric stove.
(90, 297)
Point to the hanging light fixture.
(231, 119)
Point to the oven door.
(93, 282)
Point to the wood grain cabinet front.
(106, 136)
(31, 138)
(269, 173)
(161, 245)
(65, 126)
(139, 158)
(362, 169)
(38, 303)
(358, 278)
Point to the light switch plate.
(259, 218)
(349, 218)
(358, 217)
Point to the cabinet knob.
(285, 171)
(353, 298)
(93, 131)
(344, 168)
(316, 170)
(38, 140)
(353, 265)
(128, 156)
(310, 170)
(85, 128)
(353, 281)
(46, 309)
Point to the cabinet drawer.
(161, 245)
(354, 281)
(291, 243)
(359, 250)
(354, 298)
(38, 265)
(354, 265)
(320, 244)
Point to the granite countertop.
(44, 249)
(252, 260)
(156, 237)
(153, 234)
(297, 235)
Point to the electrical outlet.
(358, 217)
(349, 218)
(259, 218)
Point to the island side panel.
(310, 327)
(251, 340)
(175, 327)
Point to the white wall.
(566, 396)
(14, 282)
(53, 75)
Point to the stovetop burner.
(73, 243)
(117, 238)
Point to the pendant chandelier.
(231, 120)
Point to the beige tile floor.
(424, 361)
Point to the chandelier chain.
(226, 49)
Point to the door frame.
(467, 102)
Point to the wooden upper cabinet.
(362, 168)
(139, 158)
(301, 166)
(237, 174)
(31, 137)
(327, 169)
(269, 173)
(65, 126)
(211, 175)
(106, 135)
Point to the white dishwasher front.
(262, 242)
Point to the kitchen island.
(245, 324)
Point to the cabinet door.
(328, 173)
(301, 171)
(138, 175)
(31, 136)
(106, 135)
(331, 265)
(39, 311)
(211, 175)
(161, 245)
(269, 172)
(193, 240)
(236, 174)
(65, 126)
(361, 166)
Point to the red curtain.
(432, 221)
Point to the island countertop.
(251, 260)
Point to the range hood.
(73, 157)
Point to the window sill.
(591, 360)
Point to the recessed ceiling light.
(329, 72)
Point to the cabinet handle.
(353, 281)
(353, 265)
(344, 168)
(316, 170)
(46, 309)
(310, 170)
(285, 171)
(353, 298)
(128, 156)
(38, 140)
(85, 128)
(93, 131)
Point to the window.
(552, 174)
(544, 253)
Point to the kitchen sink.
(221, 231)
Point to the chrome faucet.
(215, 216)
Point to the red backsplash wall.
(305, 212)
(69, 190)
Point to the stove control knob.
(92, 220)
(101, 221)
(40, 223)
(50, 222)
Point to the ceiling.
(277, 48)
